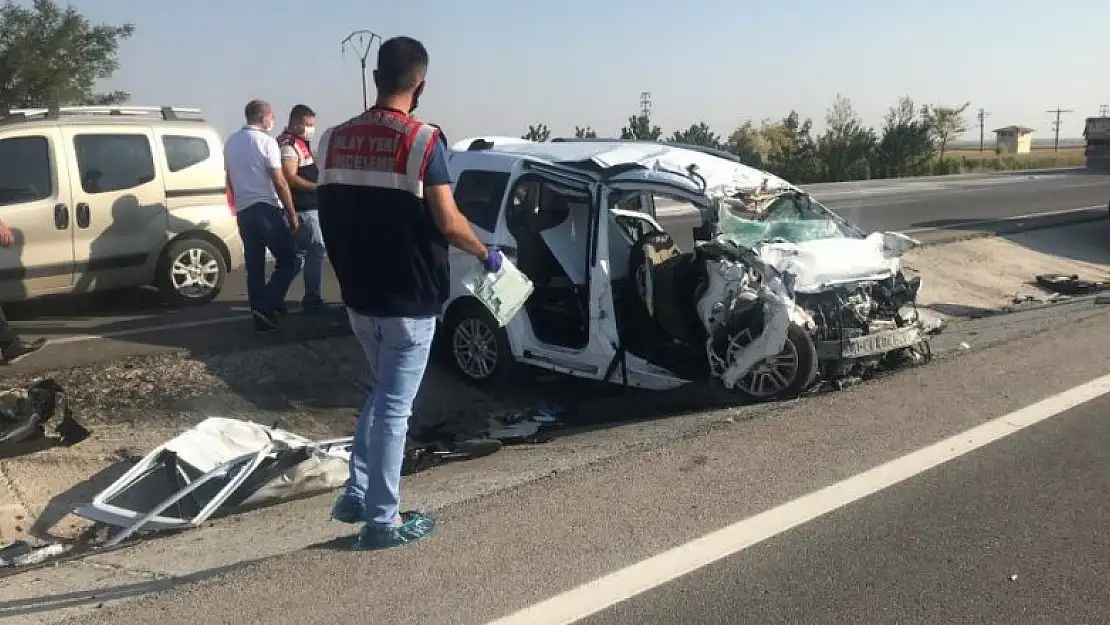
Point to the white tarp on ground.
(220, 462)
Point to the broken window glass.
(791, 217)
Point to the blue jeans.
(263, 226)
(310, 256)
(396, 351)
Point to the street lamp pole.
(360, 41)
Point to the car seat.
(665, 280)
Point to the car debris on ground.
(434, 445)
(218, 464)
(25, 413)
(21, 553)
(1069, 285)
(224, 464)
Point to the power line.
(1056, 127)
(645, 103)
(361, 41)
(982, 116)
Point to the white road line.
(983, 222)
(593, 597)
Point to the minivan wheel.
(477, 348)
(191, 272)
(784, 375)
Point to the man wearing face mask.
(299, 165)
(265, 212)
(388, 215)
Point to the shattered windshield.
(791, 217)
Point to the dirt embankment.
(983, 275)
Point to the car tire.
(800, 344)
(183, 264)
(475, 347)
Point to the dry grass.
(1065, 154)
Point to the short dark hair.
(299, 113)
(402, 64)
(256, 110)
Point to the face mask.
(309, 132)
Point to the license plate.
(881, 342)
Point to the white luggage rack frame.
(167, 113)
(212, 464)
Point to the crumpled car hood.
(820, 264)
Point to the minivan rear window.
(113, 162)
(25, 174)
(184, 152)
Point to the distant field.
(1037, 152)
(1038, 157)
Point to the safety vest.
(381, 148)
(388, 254)
(302, 200)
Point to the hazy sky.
(499, 65)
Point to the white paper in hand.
(502, 293)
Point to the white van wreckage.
(220, 463)
(777, 293)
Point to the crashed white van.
(777, 294)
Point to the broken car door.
(551, 215)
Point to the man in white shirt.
(265, 212)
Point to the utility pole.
(645, 104)
(1104, 110)
(1056, 127)
(360, 41)
(982, 116)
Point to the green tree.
(847, 147)
(584, 132)
(947, 122)
(54, 56)
(539, 132)
(697, 134)
(747, 144)
(791, 149)
(640, 127)
(906, 145)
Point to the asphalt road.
(1010, 531)
(133, 321)
(1012, 534)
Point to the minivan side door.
(119, 205)
(35, 204)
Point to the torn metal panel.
(21, 554)
(770, 342)
(219, 463)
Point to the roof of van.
(718, 170)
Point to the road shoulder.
(499, 553)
